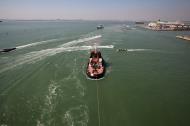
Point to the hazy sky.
(96, 9)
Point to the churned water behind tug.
(96, 65)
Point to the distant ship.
(7, 50)
(96, 65)
(139, 22)
(100, 27)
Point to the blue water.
(43, 82)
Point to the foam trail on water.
(71, 43)
(105, 47)
(137, 50)
(36, 43)
(77, 116)
(100, 47)
(63, 45)
(35, 56)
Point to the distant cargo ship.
(100, 27)
(96, 65)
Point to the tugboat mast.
(95, 47)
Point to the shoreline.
(158, 29)
(145, 26)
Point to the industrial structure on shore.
(168, 26)
(185, 37)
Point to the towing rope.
(98, 103)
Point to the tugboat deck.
(96, 66)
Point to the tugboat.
(96, 65)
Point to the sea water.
(43, 82)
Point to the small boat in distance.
(139, 22)
(96, 65)
(7, 50)
(100, 27)
(121, 50)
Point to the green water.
(45, 84)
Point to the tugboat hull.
(96, 66)
(96, 76)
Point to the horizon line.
(60, 19)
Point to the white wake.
(74, 42)
(137, 50)
(35, 56)
(36, 43)
(71, 43)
